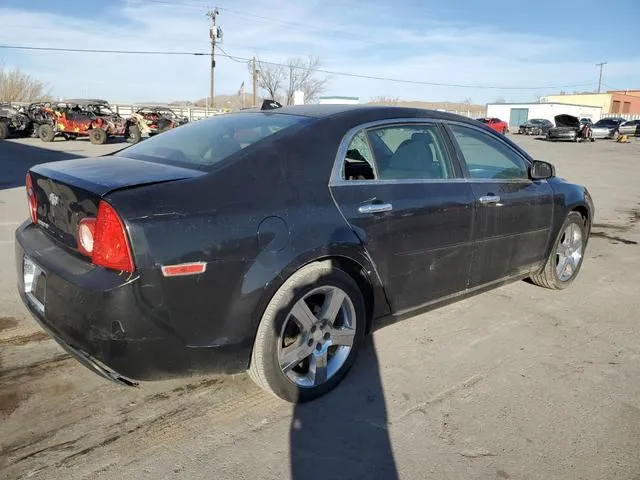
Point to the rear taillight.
(31, 197)
(104, 239)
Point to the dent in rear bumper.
(96, 315)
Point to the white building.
(337, 100)
(518, 113)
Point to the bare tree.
(500, 100)
(17, 86)
(271, 78)
(384, 100)
(303, 75)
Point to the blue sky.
(479, 43)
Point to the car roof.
(85, 101)
(369, 112)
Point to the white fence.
(192, 113)
(626, 116)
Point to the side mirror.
(540, 170)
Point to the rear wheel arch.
(364, 276)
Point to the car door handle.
(375, 208)
(488, 199)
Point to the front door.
(404, 196)
(513, 215)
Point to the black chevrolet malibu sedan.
(273, 240)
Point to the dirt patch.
(8, 322)
(25, 339)
(33, 370)
(613, 238)
(9, 401)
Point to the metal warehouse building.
(518, 113)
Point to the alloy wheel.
(569, 252)
(317, 336)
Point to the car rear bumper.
(561, 135)
(97, 316)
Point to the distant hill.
(449, 106)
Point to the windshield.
(203, 144)
(483, 120)
(605, 123)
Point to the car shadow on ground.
(345, 434)
(17, 158)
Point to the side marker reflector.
(193, 268)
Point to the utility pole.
(215, 34)
(601, 64)
(254, 74)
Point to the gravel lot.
(520, 382)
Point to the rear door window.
(204, 143)
(408, 152)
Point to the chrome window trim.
(337, 179)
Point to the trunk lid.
(68, 191)
(567, 121)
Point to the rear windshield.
(202, 144)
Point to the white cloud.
(346, 40)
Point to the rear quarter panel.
(254, 222)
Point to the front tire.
(4, 130)
(97, 136)
(565, 260)
(310, 334)
(133, 134)
(46, 132)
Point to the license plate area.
(35, 283)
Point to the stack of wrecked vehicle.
(71, 119)
(154, 120)
(14, 121)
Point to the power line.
(95, 50)
(328, 72)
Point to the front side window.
(488, 157)
(405, 152)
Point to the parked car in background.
(496, 124)
(535, 126)
(632, 127)
(567, 127)
(586, 121)
(606, 127)
(179, 255)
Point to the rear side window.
(202, 144)
(398, 152)
(405, 152)
(488, 157)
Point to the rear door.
(513, 215)
(401, 189)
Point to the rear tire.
(553, 275)
(46, 132)
(313, 343)
(4, 130)
(97, 136)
